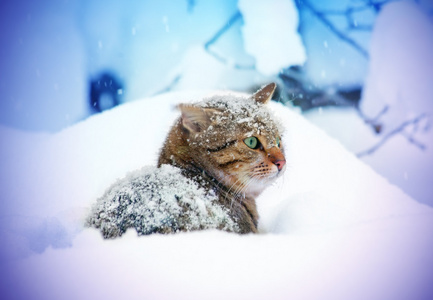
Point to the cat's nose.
(277, 158)
(280, 164)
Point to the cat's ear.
(265, 93)
(194, 119)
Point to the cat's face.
(237, 141)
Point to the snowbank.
(400, 79)
(270, 34)
(332, 227)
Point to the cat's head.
(235, 139)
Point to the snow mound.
(155, 200)
(270, 34)
(335, 228)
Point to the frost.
(244, 120)
(158, 200)
(243, 111)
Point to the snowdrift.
(332, 228)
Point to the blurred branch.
(377, 5)
(321, 15)
(398, 130)
(374, 122)
(350, 20)
(302, 93)
(237, 16)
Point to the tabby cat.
(218, 157)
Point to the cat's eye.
(252, 142)
(278, 142)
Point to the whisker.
(237, 190)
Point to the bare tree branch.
(398, 130)
(374, 122)
(237, 16)
(322, 17)
(412, 140)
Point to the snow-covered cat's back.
(159, 200)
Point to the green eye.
(278, 142)
(252, 142)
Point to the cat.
(220, 154)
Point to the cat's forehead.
(233, 104)
(243, 115)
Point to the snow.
(399, 77)
(54, 49)
(331, 227)
(256, 116)
(330, 60)
(213, 73)
(405, 86)
(154, 200)
(345, 125)
(270, 34)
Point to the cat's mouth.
(250, 181)
(261, 178)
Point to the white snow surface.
(331, 227)
(270, 34)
